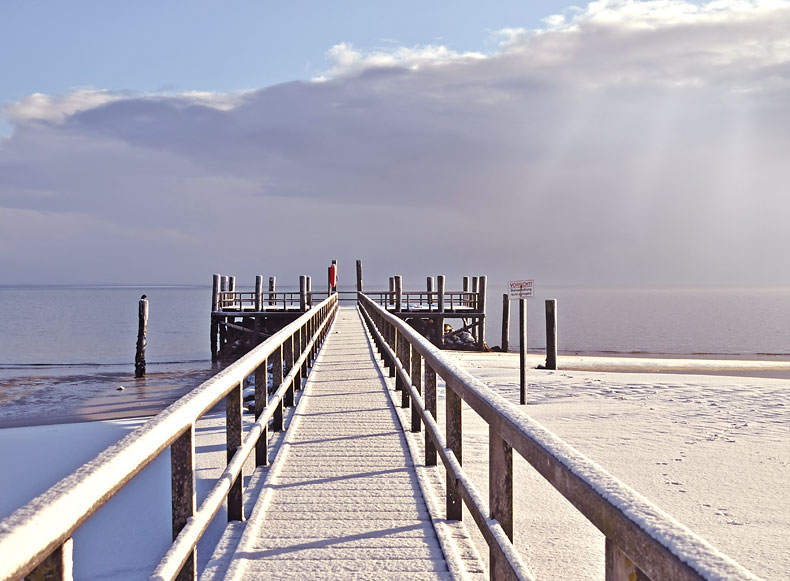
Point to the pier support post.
(392, 291)
(359, 275)
(480, 307)
(398, 293)
(522, 350)
(551, 333)
(429, 288)
(258, 292)
(142, 331)
(302, 293)
(214, 337)
(310, 291)
(440, 301)
(505, 323)
(272, 289)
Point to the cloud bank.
(627, 143)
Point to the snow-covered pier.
(350, 493)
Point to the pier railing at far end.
(36, 540)
(642, 541)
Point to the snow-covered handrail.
(642, 541)
(37, 537)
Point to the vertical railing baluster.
(500, 496)
(288, 363)
(416, 381)
(430, 407)
(454, 435)
(58, 566)
(261, 401)
(277, 379)
(404, 354)
(233, 432)
(182, 487)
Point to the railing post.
(277, 379)
(58, 566)
(454, 434)
(619, 567)
(261, 401)
(500, 496)
(182, 488)
(233, 417)
(430, 407)
(416, 381)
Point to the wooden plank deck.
(342, 499)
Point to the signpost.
(521, 289)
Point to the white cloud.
(636, 142)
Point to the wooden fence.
(642, 541)
(36, 540)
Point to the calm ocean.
(47, 330)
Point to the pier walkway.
(342, 499)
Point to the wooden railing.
(429, 301)
(37, 538)
(642, 541)
(235, 301)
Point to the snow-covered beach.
(711, 450)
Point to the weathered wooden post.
(522, 350)
(440, 320)
(261, 401)
(142, 331)
(310, 291)
(505, 323)
(398, 293)
(429, 288)
(232, 284)
(258, 292)
(454, 434)
(480, 307)
(214, 324)
(272, 290)
(392, 291)
(223, 301)
(182, 490)
(500, 496)
(234, 434)
(359, 275)
(551, 333)
(302, 293)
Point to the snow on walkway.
(343, 499)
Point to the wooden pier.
(345, 496)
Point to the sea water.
(54, 331)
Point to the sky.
(617, 142)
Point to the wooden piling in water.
(480, 307)
(272, 289)
(551, 333)
(505, 323)
(522, 350)
(302, 293)
(440, 320)
(214, 324)
(258, 292)
(142, 331)
(310, 291)
(398, 293)
(392, 290)
(359, 275)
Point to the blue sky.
(154, 46)
(634, 142)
